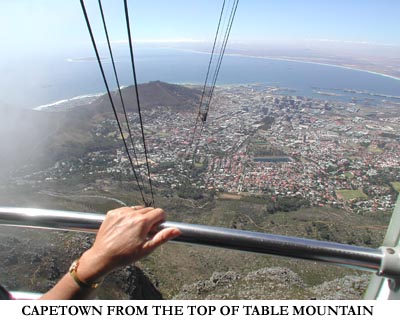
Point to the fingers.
(155, 215)
(132, 210)
(137, 207)
(152, 219)
(142, 210)
(127, 234)
(148, 217)
(160, 238)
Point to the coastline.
(66, 103)
(294, 60)
(318, 63)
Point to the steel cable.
(110, 97)
(119, 89)
(137, 99)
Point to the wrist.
(90, 269)
(84, 284)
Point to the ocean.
(34, 83)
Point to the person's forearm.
(126, 235)
(67, 289)
(88, 271)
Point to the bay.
(35, 82)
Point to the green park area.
(349, 175)
(396, 186)
(351, 194)
(375, 149)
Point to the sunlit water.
(42, 81)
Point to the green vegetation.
(375, 149)
(165, 265)
(270, 205)
(349, 175)
(396, 186)
(161, 134)
(267, 122)
(348, 195)
(199, 165)
(162, 167)
(264, 149)
(390, 135)
(188, 191)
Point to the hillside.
(39, 138)
(152, 94)
(185, 271)
(157, 93)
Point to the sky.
(38, 36)
(46, 26)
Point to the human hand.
(126, 235)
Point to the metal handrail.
(322, 251)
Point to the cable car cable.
(222, 52)
(201, 115)
(137, 98)
(109, 95)
(208, 70)
(218, 66)
(119, 89)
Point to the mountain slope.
(29, 137)
(152, 94)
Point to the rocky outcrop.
(346, 288)
(272, 283)
(35, 266)
(35, 261)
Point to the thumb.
(161, 237)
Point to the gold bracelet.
(72, 271)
